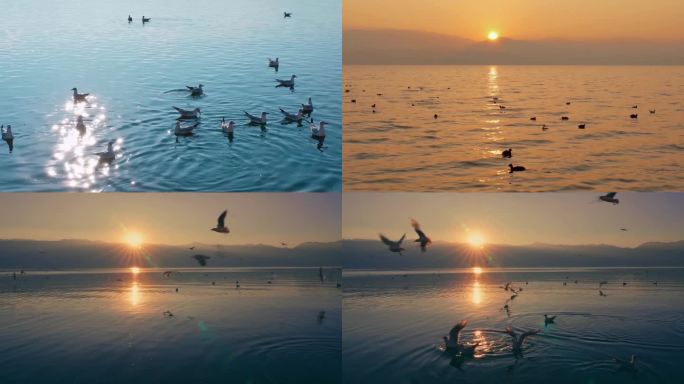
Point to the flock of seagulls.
(395, 246)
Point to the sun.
(477, 270)
(492, 35)
(476, 240)
(134, 239)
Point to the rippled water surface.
(401, 146)
(108, 326)
(394, 322)
(49, 47)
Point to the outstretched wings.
(453, 334)
(222, 219)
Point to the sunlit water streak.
(399, 145)
(394, 322)
(128, 68)
(108, 326)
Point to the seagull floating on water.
(130, 19)
(517, 168)
(652, 111)
(508, 153)
(634, 116)
(582, 126)
(292, 117)
(188, 114)
(286, 83)
(273, 63)
(146, 19)
(184, 131)
(109, 155)
(610, 198)
(453, 344)
(422, 238)
(195, 91)
(221, 224)
(318, 132)
(257, 120)
(394, 246)
(79, 96)
(308, 107)
(8, 136)
(227, 128)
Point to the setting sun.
(492, 35)
(134, 239)
(477, 270)
(135, 270)
(476, 240)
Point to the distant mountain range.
(420, 48)
(63, 254)
(373, 254)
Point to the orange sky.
(524, 19)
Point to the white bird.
(195, 91)
(317, 132)
(79, 96)
(8, 137)
(292, 117)
(273, 63)
(308, 107)
(188, 114)
(109, 155)
(257, 120)
(221, 224)
(610, 198)
(394, 246)
(627, 365)
(227, 128)
(519, 340)
(184, 131)
(287, 83)
(453, 343)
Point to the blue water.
(394, 322)
(48, 47)
(108, 326)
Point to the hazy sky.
(517, 219)
(524, 19)
(172, 218)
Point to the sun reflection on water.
(476, 295)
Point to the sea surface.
(401, 146)
(108, 326)
(394, 322)
(48, 47)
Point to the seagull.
(652, 111)
(130, 19)
(8, 137)
(221, 224)
(284, 244)
(544, 128)
(518, 168)
(422, 238)
(635, 106)
(549, 320)
(634, 116)
(201, 259)
(79, 96)
(627, 365)
(273, 63)
(601, 293)
(317, 132)
(519, 340)
(227, 128)
(508, 153)
(167, 273)
(394, 246)
(286, 83)
(452, 343)
(109, 155)
(565, 118)
(610, 198)
(533, 118)
(582, 126)
(168, 314)
(188, 114)
(195, 91)
(191, 248)
(257, 120)
(80, 125)
(287, 14)
(184, 131)
(308, 107)
(146, 19)
(292, 117)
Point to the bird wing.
(181, 111)
(251, 117)
(385, 240)
(402, 239)
(528, 333)
(190, 87)
(453, 334)
(222, 219)
(611, 195)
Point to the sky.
(172, 218)
(653, 20)
(517, 219)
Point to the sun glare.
(476, 240)
(477, 270)
(134, 239)
(492, 36)
(135, 270)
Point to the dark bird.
(287, 14)
(519, 340)
(652, 111)
(373, 106)
(79, 96)
(452, 342)
(502, 107)
(623, 229)
(634, 116)
(518, 168)
(565, 118)
(201, 259)
(191, 248)
(435, 116)
(544, 128)
(601, 293)
(567, 103)
(635, 106)
(353, 101)
(549, 320)
(146, 19)
(130, 19)
(533, 118)
(394, 246)
(168, 314)
(508, 153)
(582, 126)
(610, 198)
(221, 224)
(422, 238)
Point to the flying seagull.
(201, 259)
(549, 319)
(422, 238)
(394, 246)
(610, 198)
(221, 224)
(453, 343)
